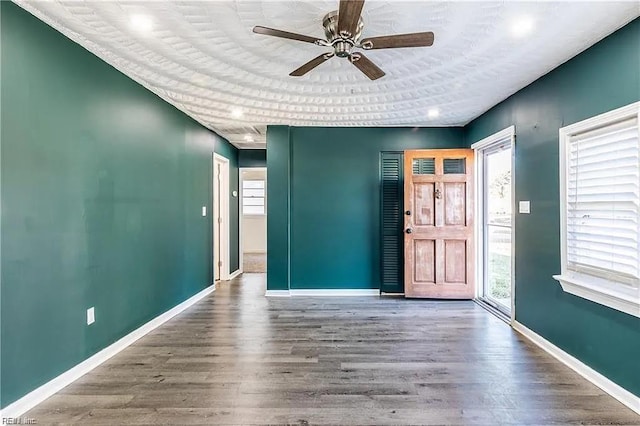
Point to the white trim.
(277, 293)
(241, 219)
(507, 133)
(613, 389)
(334, 292)
(235, 273)
(35, 397)
(478, 222)
(241, 214)
(480, 147)
(514, 211)
(224, 255)
(619, 114)
(323, 292)
(583, 285)
(602, 292)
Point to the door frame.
(481, 148)
(223, 199)
(241, 211)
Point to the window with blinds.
(603, 198)
(600, 209)
(253, 196)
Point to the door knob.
(408, 231)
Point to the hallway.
(238, 357)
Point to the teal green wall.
(324, 201)
(278, 213)
(602, 78)
(102, 188)
(103, 182)
(252, 158)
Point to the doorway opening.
(221, 255)
(253, 219)
(495, 213)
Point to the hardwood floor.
(240, 358)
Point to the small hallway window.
(253, 196)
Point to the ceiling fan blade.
(348, 15)
(399, 40)
(311, 65)
(284, 34)
(363, 63)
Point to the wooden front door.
(438, 239)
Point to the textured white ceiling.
(203, 58)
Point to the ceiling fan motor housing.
(342, 43)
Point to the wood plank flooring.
(240, 358)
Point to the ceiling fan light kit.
(343, 31)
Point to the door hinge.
(220, 263)
(219, 220)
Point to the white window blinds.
(603, 199)
(253, 196)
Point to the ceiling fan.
(343, 29)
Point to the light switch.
(524, 207)
(91, 315)
(204, 210)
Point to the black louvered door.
(392, 201)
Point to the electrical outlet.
(91, 315)
(204, 210)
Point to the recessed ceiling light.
(522, 26)
(236, 112)
(142, 23)
(248, 138)
(433, 113)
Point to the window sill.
(602, 292)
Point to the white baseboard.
(613, 389)
(334, 292)
(235, 274)
(277, 293)
(35, 397)
(323, 292)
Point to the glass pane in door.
(497, 229)
(499, 265)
